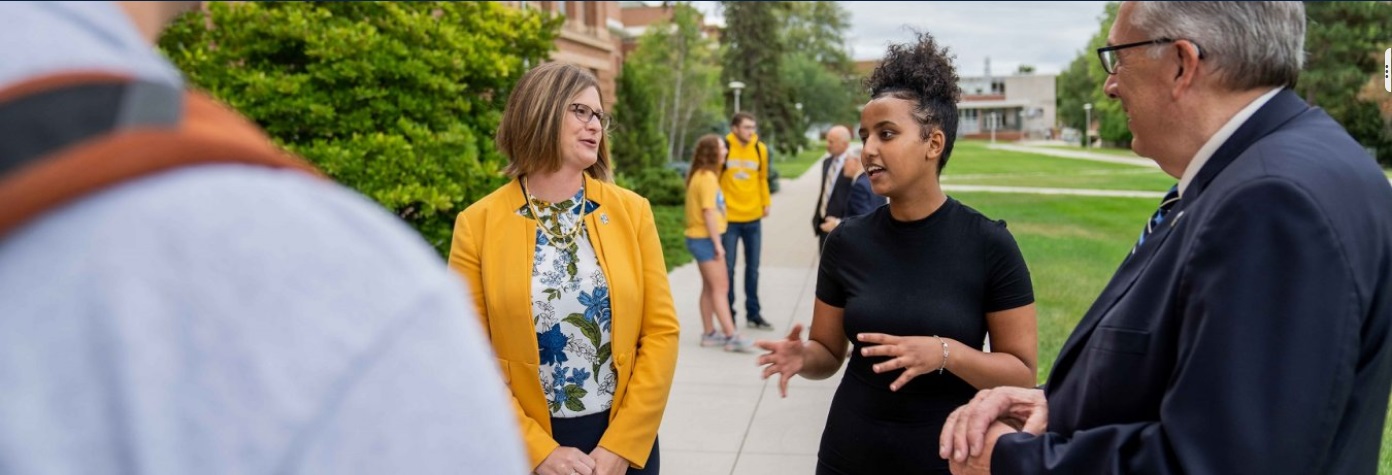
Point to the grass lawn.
(1072, 245)
(790, 167)
(973, 164)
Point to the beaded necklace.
(562, 237)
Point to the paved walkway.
(1077, 154)
(1081, 155)
(723, 419)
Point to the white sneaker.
(713, 338)
(738, 344)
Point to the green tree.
(818, 69)
(680, 63)
(1344, 41)
(638, 143)
(753, 52)
(1082, 83)
(396, 100)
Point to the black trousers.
(584, 433)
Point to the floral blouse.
(570, 304)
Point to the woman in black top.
(919, 284)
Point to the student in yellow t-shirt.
(705, 222)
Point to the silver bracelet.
(943, 365)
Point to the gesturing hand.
(566, 461)
(784, 357)
(915, 354)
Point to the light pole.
(1087, 125)
(736, 85)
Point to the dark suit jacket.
(849, 197)
(1251, 333)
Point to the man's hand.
(964, 432)
(981, 464)
(829, 223)
(766, 211)
(608, 463)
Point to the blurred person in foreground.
(567, 272)
(1250, 328)
(230, 317)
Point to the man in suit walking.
(1250, 329)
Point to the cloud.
(1046, 35)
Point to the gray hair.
(1249, 44)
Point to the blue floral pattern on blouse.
(570, 306)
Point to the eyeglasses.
(585, 113)
(1109, 58)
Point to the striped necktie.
(1166, 204)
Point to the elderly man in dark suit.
(845, 188)
(1250, 329)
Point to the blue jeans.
(752, 234)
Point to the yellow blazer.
(493, 248)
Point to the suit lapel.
(1121, 283)
(1282, 107)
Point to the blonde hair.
(706, 156)
(530, 130)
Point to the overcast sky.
(1047, 35)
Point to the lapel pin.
(603, 218)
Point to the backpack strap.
(68, 136)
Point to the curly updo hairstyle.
(922, 74)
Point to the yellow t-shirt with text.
(703, 193)
(745, 180)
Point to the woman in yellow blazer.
(578, 309)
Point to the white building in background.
(1021, 106)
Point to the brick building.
(588, 39)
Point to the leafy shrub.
(398, 100)
(661, 186)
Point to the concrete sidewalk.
(722, 418)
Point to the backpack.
(68, 136)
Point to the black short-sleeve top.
(939, 275)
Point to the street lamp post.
(1087, 125)
(736, 85)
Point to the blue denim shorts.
(703, 249)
